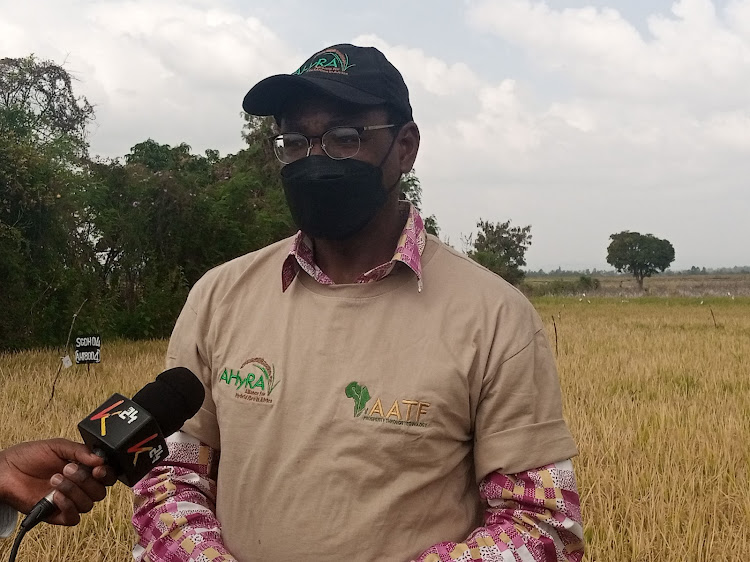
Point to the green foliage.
(641, 255)
(500, 248)
(411, 190)
(40, 242)
(127, 237)
(431, 225)
(166, 216)
(37, 102)
(561, 286)
(586, 282)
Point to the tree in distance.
(411, 190)
(501, 248)
(642, 255)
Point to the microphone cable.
(16, 544)
(14, 551)
(41, 510)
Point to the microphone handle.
(43, 509)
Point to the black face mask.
(332, 199)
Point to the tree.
(642, 255)
(166, 216)
(411, 190)
(501, 248)
(37, 100)
(45, 255)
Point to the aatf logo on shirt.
(401, 412)
(254, 381)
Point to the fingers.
(77, 489)
(105, 474)
(67, 514)
(83, 456)
(71, 499)
(93, 488)
(75, 451)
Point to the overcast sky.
(579, 117)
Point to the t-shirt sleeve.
(519, 423)
(187, 348)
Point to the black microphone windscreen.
(173, 398)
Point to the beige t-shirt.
(355, 421)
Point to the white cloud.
(575, 115)
(599, 50)
(731, 130)
(174, 71)
(608, 128)
(502, 122)
(10, 33)
(193, 42)
(647, 137)
(430, 73)
(651, 132)
(684, 89)
(738, 17)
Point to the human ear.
(408, 146)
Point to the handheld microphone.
(129, 434)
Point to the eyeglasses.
(338, 143)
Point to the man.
(29, 470)
(371, 394)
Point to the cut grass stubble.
(656, 394)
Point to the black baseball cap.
(358, 75)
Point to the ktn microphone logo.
(153, 453)
(104, 414)
(129, 415)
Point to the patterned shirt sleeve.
(175, 504)
(533, 516)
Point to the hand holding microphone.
(127, 435)
(27, 468)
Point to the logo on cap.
(331, 61)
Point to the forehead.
(320, 111)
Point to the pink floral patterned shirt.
(408, 251)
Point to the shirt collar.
(409, 251)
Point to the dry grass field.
(680, 285)
(656, 392)
(625, 286)
(25, 383)
(658, 399)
